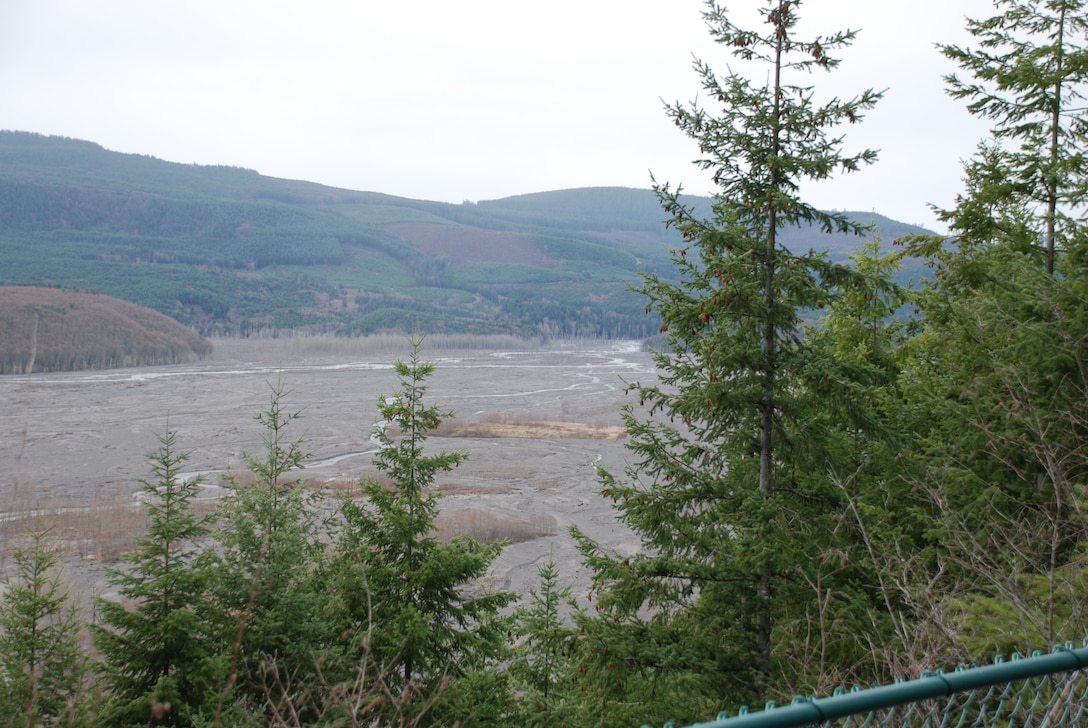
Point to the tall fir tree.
(1028, 75)
(730, 489)
(155, 636)
(406, 596)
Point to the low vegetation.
(496, 425)
(489, 527)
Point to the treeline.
(597, 209)
(826, 494)
(384, 320)
(564, 312)
(140, 227)
(51, 330)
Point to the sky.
(466, 100)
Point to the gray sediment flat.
(77, 442)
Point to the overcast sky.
(463, 100)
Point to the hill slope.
(50, 330)
(229, 251)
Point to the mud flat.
(73, 446)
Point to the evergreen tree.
(541, 659)
(1028, 75)
(994, 382)
(730, 491)
(995, 390)
(405, 595)
(155, 637)
(863, 332)
(41, 664)
(270, 554)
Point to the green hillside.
(228, 251)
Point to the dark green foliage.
(731, 489)
(408, 600)
(41, 664)
(411, 318)
(1027, 76)
(567, 310)
(269, 555)
(155, 637)
(997, 393)
(541, 660)
(993, 383)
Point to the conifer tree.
(997, 392)
(155, 637)
(1028, 183)
(270, 554)
(730, 489)
(41, 664)
(541, 659)
(996, 379)
(404, 594)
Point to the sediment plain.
(73, 446)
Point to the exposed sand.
(72, 446)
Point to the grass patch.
(488, 527)
(474, 488)
(496, 425)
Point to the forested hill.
(229, 251)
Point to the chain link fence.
(1045, 690)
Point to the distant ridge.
(230, 252)
(54, 330)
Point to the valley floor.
(73, 445)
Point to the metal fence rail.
(1043, 691)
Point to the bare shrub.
(100, 531)
(246, 478)
(365, 699)
(381, 479)
(335, 485)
